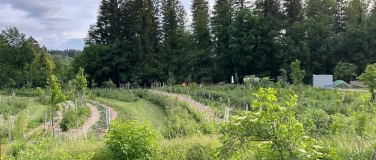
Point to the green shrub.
(274, 124)
(109, 84)
(197, 152)
(74, 118)
(131, 140)
(17, 146)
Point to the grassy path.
(205, 110)
(140, 110)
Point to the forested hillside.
(23, 63)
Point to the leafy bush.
(197, 152)
(74, 118)
(109, 84)
(344, 71)
(275, 125)
(131, 140)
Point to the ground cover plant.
(326, 124)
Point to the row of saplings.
(273, 132)
(73, 116)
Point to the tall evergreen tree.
(107, 27)
(268, 47)
(173, 29)
(320, 29)
(293, 11)
(240, 4)
(201, 60)
(220, 23)
(242, 57)
(269, 8)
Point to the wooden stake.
(9, 130)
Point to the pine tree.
(145, 38)
(240, 4)
(173, 22)
(107, 28)
(293, 11)
(269, 8)
(244, 30)
(357, 11)
(268, 48)
(220, 23)
(320, 19)
(340, 17)
(202, 58)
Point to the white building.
(323, 81)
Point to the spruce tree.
(173, 21)
(202, 56)
(268, 49)
(293, 11)
(220, 23)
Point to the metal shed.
(323, 81)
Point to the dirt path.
(104, 128)
(205, 110)
(86, 127)
(114, 114)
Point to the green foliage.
(20, 124)
(196, 152)
(74, 118)
(131, 140)
(12, 105)
(109, 84)
(182, 119)
(56, 95)
(56, 148)
(273, 125)
(368, 78)
(345, 71)
(197, 147)
(296, 75)
(79, 86)
(80, 82)
(171, 79)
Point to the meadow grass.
(36, 113)
(140, 110)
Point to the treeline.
(151, 40)
(24, 63)
(65, 53)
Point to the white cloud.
(58, 24)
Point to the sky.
(57, 24)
